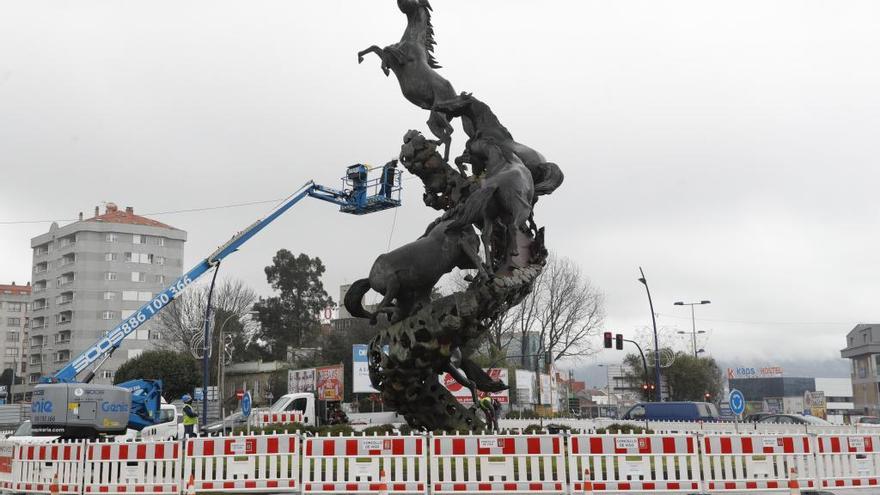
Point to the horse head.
(411, 6)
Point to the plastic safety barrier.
(626, 463)
(7, 453)
(261, 463)
(132, 467)
(757, 462)
(498, 463)
(263, 418)
(365, 464)
(48, 468)
(848, 461)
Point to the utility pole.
(657, 376)
(693, 320)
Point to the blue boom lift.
(63, 406)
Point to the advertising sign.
(329, 383)
(301, 380)
(463, 395)
(360, 371)
(766, 372)
(815, 404)
(525, 387)
(546, 390)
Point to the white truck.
(170, 426)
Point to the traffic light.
(618, 340)
(608, 340)
(708, 396)
(652, 387)
(645, 387)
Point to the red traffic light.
(645, 387)
(608, 340)
(652, 387)
(618, 340)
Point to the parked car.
(672, 411)
(794, 419)
(755, 417)
(227, 424)
(869, 421)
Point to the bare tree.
(568, 311)
(182, 320)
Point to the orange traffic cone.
(383, 483)
(588, 482)
(793, 485)
(54, 489)
(190, 486)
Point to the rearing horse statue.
(412, 61)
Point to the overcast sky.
(729, 148)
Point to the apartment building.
(90, 274)
(14, 301)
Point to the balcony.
(41, 267)
(62, 338)
(66, 241)
(39, 286)
(64, 317)
(62, 356)
(40, 304)
(38, 323)
(64, 298)
(67, 259)
(66, 279)
(35, 361)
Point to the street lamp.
(644, 281)
(693, 320)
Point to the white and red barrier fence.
(264, 418)
(561, 464)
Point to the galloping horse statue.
(482, 123)
(412, 61)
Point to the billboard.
(329, 383)
(546, 390)
(525, 387)
(360, 371)
(463, 395)
(747, 372)
(301, 380)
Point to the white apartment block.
(87, 277)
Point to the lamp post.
(693, 320)
(644, 282)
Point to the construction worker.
(190, 417)
(489, 412)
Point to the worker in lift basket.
(190, 417)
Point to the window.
(111, 256)
(107, 374)
(13, 307)
(110, 276)
(138, 277)
(877, 364)
(11, 351)
(160, 279)
(138, 239)
(13, 322)
(160, 241)
(160, 260)
(145, 296)
(129, 295)
(12, 336)
(109, 296)
(108, 315)
(111, 237)
(32, 379)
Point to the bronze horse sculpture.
(483, 123)
(412, 61)
(406, 275)
(505, 194)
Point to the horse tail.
(548, 177)
(355, 296)
(472, 209)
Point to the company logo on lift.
(114, 407)
(41, 406)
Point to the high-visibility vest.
(189, 416)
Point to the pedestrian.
(489, 412)
(190, 417)
(388, 174)
(497, 407)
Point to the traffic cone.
(54, 489)
(190, 486)
(383, 483)
(588, 482)
(793, 486)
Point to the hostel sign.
(751, 372)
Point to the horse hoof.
(360, 58)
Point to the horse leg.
(462, 379)
(378, 51)
(439, 125)
(481, 379)
(392, 287)
(486, 237)
(473, 256)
